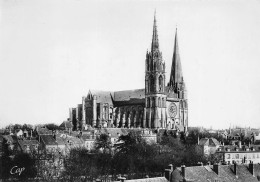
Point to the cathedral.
(157, 106)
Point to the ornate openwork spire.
(176, 70)
(155, 41)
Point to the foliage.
(48, 165)
(195, 134)
(52, 126)
(192, 155)
(103, 142)
(177, 152)
(20, 166)
(81, 163)
(134, 154)
(215, 158)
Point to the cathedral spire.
(155, 41)
(176, 70)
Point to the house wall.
(240, 156)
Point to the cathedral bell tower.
(155, 98)
(177, 86)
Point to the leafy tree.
(192, 155)
(134, 154)
(103, 142)
(17, 126)
(81, 163)
(171, 151)
(27, 127)
(20, 167)
(52, 126)
(214, 158)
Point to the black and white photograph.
(130, 90)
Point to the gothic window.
(156, 55)
(110, 112)
(98, 109)
(153, 102)
(151, 83)
(147, 62)
(151, 66)
(184, 104)
(160, 83)
(105, 111)
(148, 102)
(163, 104)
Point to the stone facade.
(156, 106)
(240, 156)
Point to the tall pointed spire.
(176, 70)
(155, 41)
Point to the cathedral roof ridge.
(138, 89)
(100, 91)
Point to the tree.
(52, 126)
(192, 155)
(103, 142)
(171, 151)
(49, 164)
(82, 164)
(133, 154)
(21, 167)
(17, 126)
(215, 158)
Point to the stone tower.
(177, 84)
(155, 98)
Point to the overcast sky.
(53, 51)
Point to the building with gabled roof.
(66, 125)
(155, 179)
(216, 173)
(48, 143)
(27, 146)
(209, 145)
(44, 131)
(157, 105)
(241, 154)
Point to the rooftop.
(225, 173)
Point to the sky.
(53, 51)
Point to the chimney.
(183, 171)
(54, 135)
(170, 167)
(239, 144)
(122, 179)
(251, 167)
(235, 168)
(216, 168)
(167, 174)
(200, 164)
